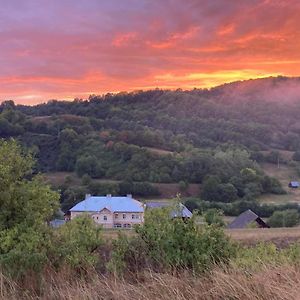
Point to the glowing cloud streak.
(64, 49)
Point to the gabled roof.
(114, 204)
(182, 211)
(245, 218)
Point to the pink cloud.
(65, 49)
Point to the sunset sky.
(61, 49)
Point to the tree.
(26, 204)
(86, 179)
(89, 165)
(249, 175)
(183, 185)
(209, 189)
(226, 192)
(214, 216)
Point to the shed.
(180, 211)
(294, 184)
(245, 219)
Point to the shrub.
(76, 242)
(183, 185)
(286, 218)
(26, 206)
(166, 244)
(86, 179)
(192, 204)
(214, 216)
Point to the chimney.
(87, 196)
(108, 195)
(129, 196)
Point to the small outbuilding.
(247, 218)
(294, 184)
(178, 211)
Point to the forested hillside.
(215, 137)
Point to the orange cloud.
(54, 50)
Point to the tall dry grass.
(281, 282)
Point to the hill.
(215, 138)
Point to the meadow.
(279, 282)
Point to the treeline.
(72, 194)
(237, 207)
(206, 139)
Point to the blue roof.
(295, 183)
(114, 204)
(182, 211)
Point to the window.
(116, 216)
(117, 225)
(127, 225)
(97, 218)
(124, 216)
(135, 216)
(105, 218)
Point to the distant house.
(246, 219)
(111, 212)
(294, 184)
(177, 212)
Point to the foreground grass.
(270, 282)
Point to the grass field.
(280, 236)
(249, 236)
(270, 282)
(284, 174)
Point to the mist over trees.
(156, 136)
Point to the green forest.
(137, 139)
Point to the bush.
(86, 179)
(192, 204)
(76, 242)
(183, 185)
(286, 218)
(26, 206)
(165, 244)
(214, 216)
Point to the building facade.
(111, 212)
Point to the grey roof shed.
(245, 218)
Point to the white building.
(111, 212)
